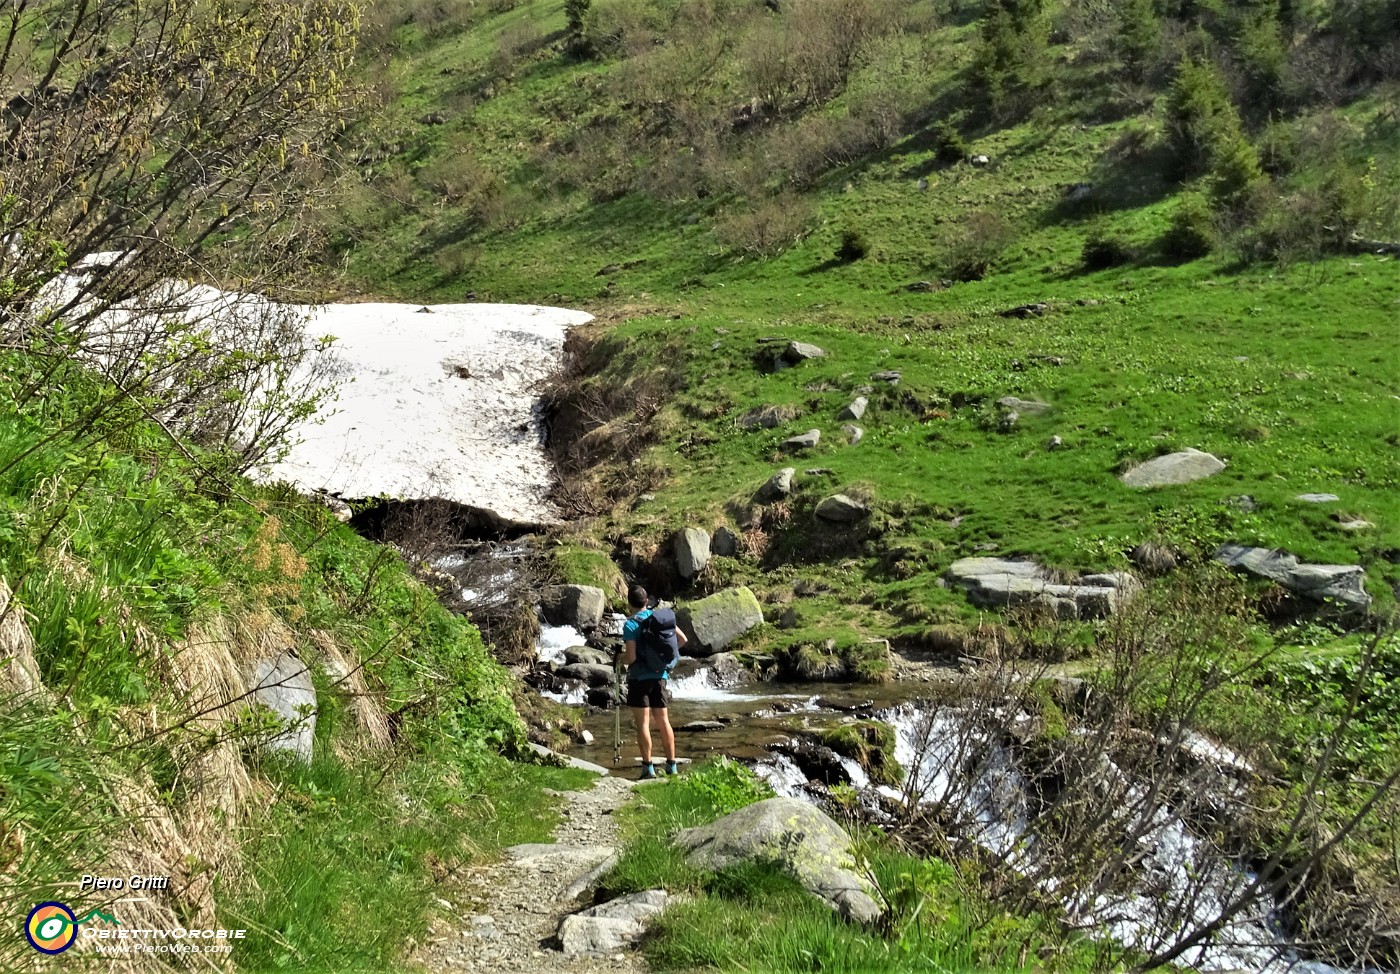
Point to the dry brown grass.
(19, 670)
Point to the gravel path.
(503, 916)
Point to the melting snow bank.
(437, 402)
(442, 404)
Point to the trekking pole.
(617, 709)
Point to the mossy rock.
(871, 744)
(577, 565)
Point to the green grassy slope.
(1285, 370)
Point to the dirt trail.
(503, 916)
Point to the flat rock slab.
(801, 351)
(802, 441)
(567, 761)
(1026, 407)
(1005, 582)
(856, 410)
(1317, 498)
(581, 936)
(1174, 468)
(700, 726)
(1343, 584)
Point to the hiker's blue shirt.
(630, 630)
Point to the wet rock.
(795, 836)
(594, 674)
(600, 697)
(727, 671)
(700, 726)
(283, 685)
(802, 441)
(854, 434)
(580, 606)
(801, 351)
(840, 509)
(776, 487)
(1174, 468)
(856, 410)
(692, 548)
(1343, 584)
(587, 655)
(713, 623)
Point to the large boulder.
(840, 509)
(767, 417)
(580, 606)
(1342, 584)
(587, 654)
(997, 583)
(283, 685)
(713, 623)
(724, 542)
(692, 547)
(1174, 468)
(797, 837)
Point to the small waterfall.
(554, 640)
(783, 776)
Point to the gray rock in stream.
(594, 674)
(587, 655)
(797, 837)
(580, 606)
(713, 623)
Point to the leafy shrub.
(769, 228)
(726, 785)
(1191, 233)
(979, 240)
(853, 246)
(1102, 250)
(949, 146)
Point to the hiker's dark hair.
(637, 597)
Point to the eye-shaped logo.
(51, 928)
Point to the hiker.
(651, 645)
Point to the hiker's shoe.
(648, 771)
(672, 768)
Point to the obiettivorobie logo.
(52, 928)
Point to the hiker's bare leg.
(642, 715)
(668, 736)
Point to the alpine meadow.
(1004, 395)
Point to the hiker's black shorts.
(648, 693)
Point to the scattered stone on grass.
(1003, 582)
(724, 542)
(1317, 498)
(767, 417)
(802, 441)
(776, 487)
(840, 509)
(692, 548)
(801, 351)
(1174, 468)
(1028, 407)
(856, 410)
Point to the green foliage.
(726, 785)
(1205, 133)
(871, 744)
(853, 246)
(1139, 37)
(1103, 250)
(1191, 233)
(1009, 66)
